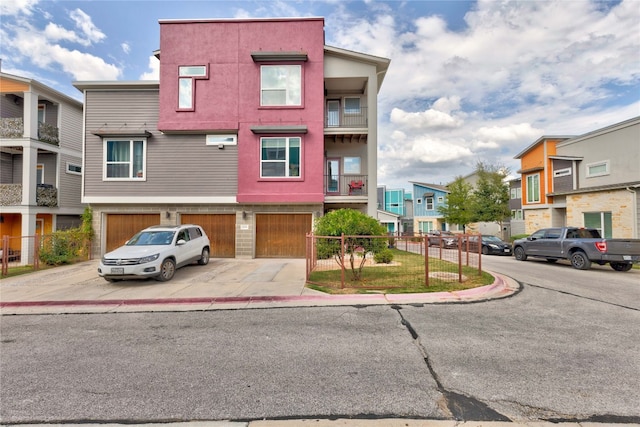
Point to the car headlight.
(494, 246)
(149, 258)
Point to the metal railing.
(348, 119)
(346, 185)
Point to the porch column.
(372, 145)
(30, 115)
(29, 175)
(28, 233)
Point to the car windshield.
(148, 238)
(491, 239)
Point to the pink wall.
(230, 98)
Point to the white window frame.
(440, 199)
(292, 89)
(40, 170)
(217, 140)
(186, 86)
(536, 197)
(561, 172)
(139, 175)
(286, 160)
(429, 203)
(352, 165)
(591, 166)
(429, 226)
(74, 165)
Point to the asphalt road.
(564, 348)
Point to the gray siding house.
(596, 179)
(40, 160)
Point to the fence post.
(425, 244)
(5, 255)
(460, 257)
(342, 263)
(36, 252)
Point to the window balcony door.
(333, 176)
(333, 113)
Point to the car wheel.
(485, 250)
(621, 266)
(580, 261)
(519, 253)
(204, 258)
(551, 260)
(167, 270)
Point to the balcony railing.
(345, 185)
(13, 127)
(346, 119)
(11, 195)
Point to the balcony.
(11, 195)
(346, 185)
(349, 119)
(13, 127)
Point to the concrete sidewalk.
(222, 284)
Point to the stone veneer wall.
(618, 202)
(535, 219)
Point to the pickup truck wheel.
(621, 266)
(167, 270)
(580, 261)
(204, 258)
(519, 253)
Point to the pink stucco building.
(254, 129)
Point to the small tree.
(459, 207)
(491, 195)
(349, 222)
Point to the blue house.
(426, 200)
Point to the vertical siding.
(177, 165)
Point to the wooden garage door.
(282, 235)
(122, 227)
(221, 229)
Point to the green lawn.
(405, 274)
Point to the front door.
(333, 176)
(333, 113)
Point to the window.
(562, 172)
(428, 203)
(425, 226)
(125, 159)
(187, 75)
(352, 105)
(280, 157)
(533, 188)
(553, 233)
(352, 165)
(440, 199)
(602, 221)
(222, 140)
(516, 214)
(516, 193)
(74, 169)
(598, 169)
(42, 109)
(40, 173)
(280, 85)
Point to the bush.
(518, 236)
(63, 247)
(384, 256)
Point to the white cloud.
(154, 70)
(84, 23)
(16, 7)
(125, 47)
(429, 119)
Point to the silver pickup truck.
(581, 246)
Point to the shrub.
(63, 246)
(384, 256)
(518, 236)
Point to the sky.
(469, 81)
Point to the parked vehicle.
(156, 252)
(445, 238)
(491, 245)
(581, 246)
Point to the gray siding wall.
(8, 108)
(177, 165)
(563, 183)
(49, 163)
(6, 168)
(71, 183)
(50, 113)
(70, 131)
(619, 146)
(17, 169)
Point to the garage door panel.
(221, 229)
(282, 235)
(122, 227)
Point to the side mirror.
(531, 238)
(181, 242)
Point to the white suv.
(156, 252)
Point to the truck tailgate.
(623, 246)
